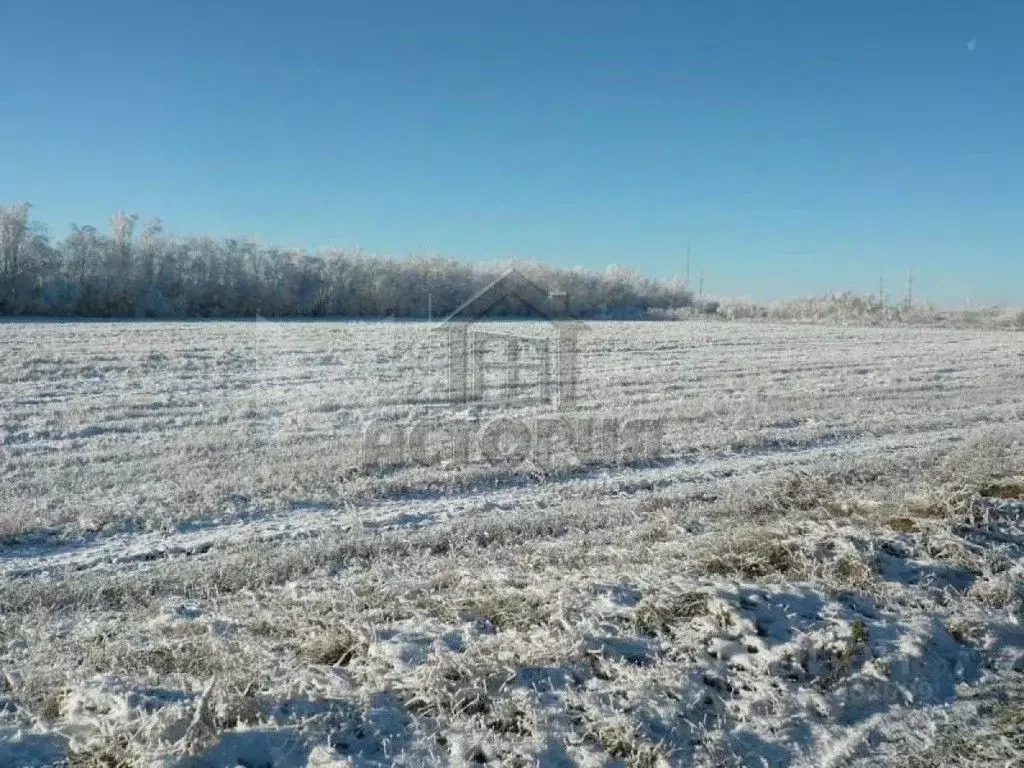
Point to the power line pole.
(687, 265)
(881, 291)
(700, 290)
(910, 287)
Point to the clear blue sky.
(797, 146)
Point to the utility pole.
(881, 291)
(700, 290)
(910, 287)
(687, 265)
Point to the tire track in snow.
(126, 551)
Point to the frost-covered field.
(822, 565)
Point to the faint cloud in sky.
(972, 44)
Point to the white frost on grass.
(196, 573)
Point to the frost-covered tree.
(122, 225)
(13, 228)
(161, 275)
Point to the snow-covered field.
(820, 565)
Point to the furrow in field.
(687, 477)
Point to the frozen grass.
(824, 566)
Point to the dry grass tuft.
(1004, 491)
(621, 738)
(659, 613)
(903, 524)
(336, 647)
(118, 754)
(753, 557)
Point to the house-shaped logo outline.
(552, 306)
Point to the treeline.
(848, 308)
(133, 271)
